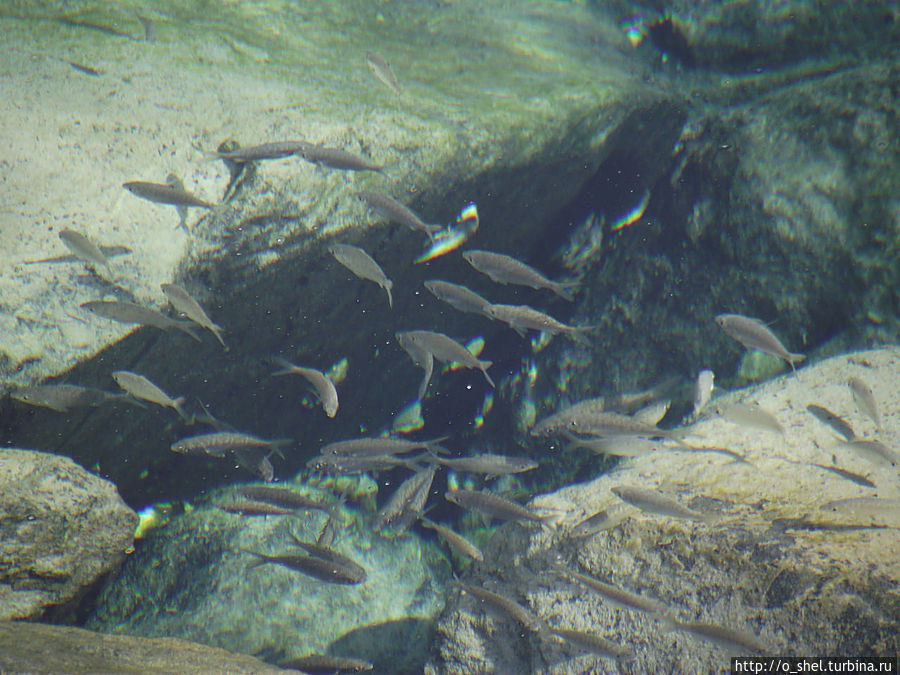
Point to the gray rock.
(40, 648)
(191, 580)
(769, 560)
(61, 530)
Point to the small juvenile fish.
(864, 399)
(83, 248)
(336, 158)
(505, 269)
(362, 265)
(327, 665)
(129, 312)
(751, 415)
(62, 397)
(184, 303)
(651, 501)
(457, 296)
(323, 570)
(171, 192)
(614, 595)
(522, 317)
(445, 350)
(458, 543)
(383, 71)
(505, 606)
(738, 641)
(264, 151)
(753, 334)
(491, 505)
(833, 420)
(490, 465)
(246, 507)
(142, 388)
(323, 384)
(395, 212)
(220, 443)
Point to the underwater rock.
(197, 578)
(41, 648)
(793, 556)
(61, 529)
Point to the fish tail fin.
(564, 289)
(217, 330)
(483, 366)
(795, 358)
(187, 327)
(387, 288)
(178, 404)
(288, 368)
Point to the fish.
(348, 464)
(184, 303)
(142, 388)
(457, 542)
(107, 251)
(490, 465)
(592, 642)
(129, 312)
(492, 505)
(171, 192)
(522, 317)
(617, 446)
(63, 397)
(651, 501)
(613, 594)
(864, 399)
(220, 443)
(245, 507)
(395, 212)
(751, 415)
(753, 334)
(569, 416)
(422, 358)
(871, 508)
(875, 452)
(323, 570)
(83, 248)
(406, 502)
(457, 296)
(326, 664)
(383, 71)
(336, 158)
(362, 265)
(323, 384)
(833, 420)
(329, 554)
(445, 350)
(599, 522)
(703, 389)
(737, 641)
(505, 269)
(367, 447)
(506, 607)
(605, 424)
(282, 497)
(261, 152)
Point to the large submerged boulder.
(61, 530)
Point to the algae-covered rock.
(40, 648)
(61, 530)
(776, 551)
(196, 579)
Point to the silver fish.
(369, 447)
(490, 465)
(331, 555)
(864, 399)
(618, 446)
(220, 443)
(383, 71)
(457, 542)
(62, 397)
(283, 497)
(491, 505)
(753, 334)
(615, 595)
(323, 384)
(457, 296)
(171, 192)
(247, 507)
(142, 388)
(323, 570)
(445, 350)
(336, 158)
(407, 502)
(422, 358)
(751, 415)
(505, 269)
(509, 608)
(651, 501)
(606, 424)
(703, 389)
(599, 522)
(875, 452)
(83, 247)
(264, 151)
(349, 464)
(569, 416)
(592, 642)
(129, 312)
(362, 265)
(522, 317)
(395, 212)
(736, 641)
(184, 303)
